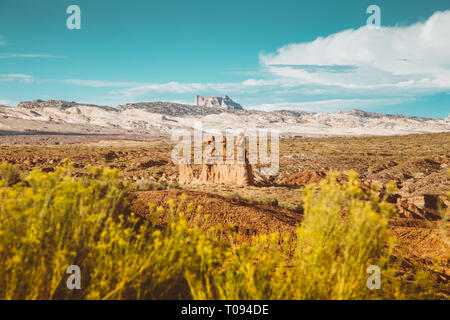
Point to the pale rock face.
(186, 173)
(238, 173)
(161, 118)
(217, 102)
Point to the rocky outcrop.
(427, 206)
(215, 170)
(217, 102)
(172, 109)
(59, 104)
(186, 173)
(160, 118)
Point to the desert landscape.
(235, 159)
(417, 163)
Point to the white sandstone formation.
(217, 102)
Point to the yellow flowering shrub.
(50, 221)
(53, 220)
(343, 232)
(9, 174)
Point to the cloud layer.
(28, 55)
(354, 68)
(385, 62)
(416, 56)
(101, 83)
(24, 78)
(247, 86)
(330, 105)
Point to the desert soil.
(418, 163)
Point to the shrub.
(9, 174)
(149, 185)
(55, 220)
(343, 232)
(174, 185)
(271, 201)
(235, 196)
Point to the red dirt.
(418, 240)
(248, 219)
(304, 177)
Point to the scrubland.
(52, 220)
(336, 207)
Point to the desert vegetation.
(50, 220)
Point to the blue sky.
(310, 55)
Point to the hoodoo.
(219, 172)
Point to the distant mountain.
(173, 109)
(59, 104)
(161, 117)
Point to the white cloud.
(416, 56)
(137, 89)
(28, 55)
(375, 63)
(100, 83)
(178, 88)
(331, 105)
(249, 86)
(5, 102)
(358, 68)
(24, 78)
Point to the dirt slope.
(418, 240)
(249, 219)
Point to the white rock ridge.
(160, 118)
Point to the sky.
(287, 54)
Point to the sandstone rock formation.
(217, 102)
(216, 170)
(186, 173)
